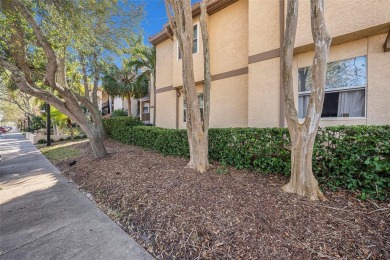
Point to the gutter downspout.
(281, 37)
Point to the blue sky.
(155, 18)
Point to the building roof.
(213, 6)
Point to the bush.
(117, 125)
(118, 113)
(41, 141)
(356, 158)
(78, 137)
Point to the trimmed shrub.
(117, 125)
(118, 113)
(355, 158)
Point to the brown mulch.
(177, 213)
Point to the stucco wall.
(263, 94)
(164, 65)
(229, 102)
(263, 26)
(228, 30)
(118, 103)
(378, 107)
(228, 33)
(343, 17)
(166, 109)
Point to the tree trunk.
(128, 98)
(182, 26)
(207, 76)
(95, 140)
(198, 144)
(87, 91)
(302, 181)
(69, 123)
(96, 80)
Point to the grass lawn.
(61, 151)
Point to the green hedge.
(356, 158)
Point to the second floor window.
(345, 88)
(194, 44)
(200, 100)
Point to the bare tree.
(180, 18)
(303, 135)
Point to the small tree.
(125, 83)
(302, 136)
(180, 19)
(144, 59)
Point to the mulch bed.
(177, 213)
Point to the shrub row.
(356, 158)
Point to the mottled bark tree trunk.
(182, 26)
(302, 180)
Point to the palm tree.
(143, 58)
(125, 83)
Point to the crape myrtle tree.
(302, 136)
(54, 32)
(180, 18)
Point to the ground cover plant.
(355, 158)
(176, 213)
(60, 151)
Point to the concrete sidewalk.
(42, 216)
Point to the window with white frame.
(145, 108)
(200, 100)
(345, 88)
(194, 44)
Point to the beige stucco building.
(245, 39)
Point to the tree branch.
(287, 57)
(322, 43)
(51, 66)
(20, 80)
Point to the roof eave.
(213, 6)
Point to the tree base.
(200, 167)
(312, 193)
